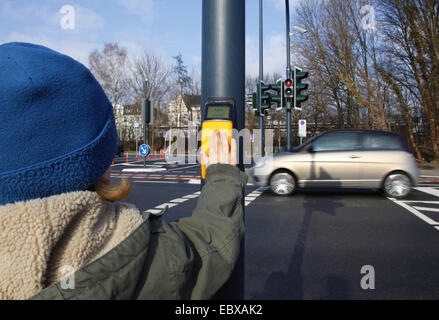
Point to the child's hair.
(112, 192)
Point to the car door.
(335, 159)
(381, 153)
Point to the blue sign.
(144, 150)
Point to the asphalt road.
(315, 244)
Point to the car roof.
(360, 131)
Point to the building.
(125, 118)
(185, 111)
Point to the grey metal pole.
(145, 95)
(261, 77)
(288, 73)
(223, 75)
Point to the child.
(59, 214)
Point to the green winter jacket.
(188, 259)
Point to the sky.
(161, 27)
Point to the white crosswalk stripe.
(252, 197)
(425, 210)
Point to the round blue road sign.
(144, 150)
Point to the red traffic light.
(288, 83)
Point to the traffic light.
(299, 75)
(271, 94)
(265, 99)
(288, 89)
(254, 102)
(277, 95)
(146, 111)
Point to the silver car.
(346, 158)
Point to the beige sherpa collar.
(43, 239)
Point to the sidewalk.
(429, 170)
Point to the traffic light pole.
(261, 77)
(145, 95)
(288, 74)
(223, 75)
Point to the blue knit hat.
(57, 130)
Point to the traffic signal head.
(265, 98)
(146, 111)
(299, 97)
(288, 89)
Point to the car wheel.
(397, 185)
(282, 183)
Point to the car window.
(305, 144)
(373, 141)
(337, 141)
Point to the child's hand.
(219, 150)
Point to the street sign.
(137, 132)
(165, 133)
(144, 150)
(302, 128)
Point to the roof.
(133, 109)
(192, 101)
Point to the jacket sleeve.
(202, 249)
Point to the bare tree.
(183, 80)
(412, 36)
(110, 69)
(148, 66)
(386, 78)
(195, 83)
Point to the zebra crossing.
(423, 204)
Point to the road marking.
(166, 204)
(156, 181)
(125, 164)
(153, 211)
(150, 176)
(431, 191)
(173, 203)
(427, 209)
(252, 196)
(415, 212)
(190, 196)
(144, 170)
(184, 168)
(419, 201)
(179, 200)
